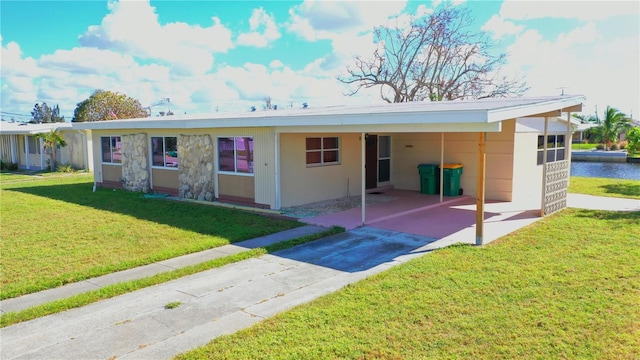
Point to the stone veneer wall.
(195, 177)
(135, 163)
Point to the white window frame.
(382, 158)
(110, 137)
(235, 156)
(164, 158)
(551, 148)
(322, 150)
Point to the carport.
(477, 129)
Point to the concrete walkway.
(214, 302)
(222, 300)
(602, 203)
(30, 300)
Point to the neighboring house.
(579, 131)
(19, 145)
(282, 158)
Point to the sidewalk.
(591, 202)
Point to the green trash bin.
(451, 176)
(428, 179)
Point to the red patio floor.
(452, 220)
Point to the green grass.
(582, 146)
(113, 290)
(605, 187)
(565, 287)
(57, 230)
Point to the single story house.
(19, 145)
(511, 149)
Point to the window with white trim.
(164, 151)
(323, 151)
(555, 145)
(111, 149)
(235, 154)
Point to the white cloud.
(314, 20)
(133, 27)
(500, 27)
(276, 64)
(606, 71)
(260, 20)
(567, 9)
(86, 60)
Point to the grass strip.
(565, 287)
(114, 290)
(620, 188)
(59, 231)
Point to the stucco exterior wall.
(237, 186)
(111, 173)
(411, 149)
(527, 176)
(302, 184)
(165, 179)
(408, 150)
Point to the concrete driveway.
(214, 302)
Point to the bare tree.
(435, 57)
(267, 103)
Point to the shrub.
(633, 137)
(65, 168)
(623, 144)
(8, 166)
(600, 147)
(614, 147)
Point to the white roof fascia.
(536, 107)
(393, 128)
(299, 119)
(16, 128)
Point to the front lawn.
(57, 230)
(566, 287)
(605, 187)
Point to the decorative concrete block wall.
(135, 163)
(556, 185)
(195, 177)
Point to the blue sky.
(208, 56)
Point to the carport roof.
(472, 112)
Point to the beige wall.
(164, 178)
(412, 149)
(263, 191)
(301, 184)
(237, 186)
(527, 176)
(111, 172)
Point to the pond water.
(616, 170)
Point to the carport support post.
(441, 167)
(480, 189)
(363, 174)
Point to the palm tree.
(612, 125)
(51, 141)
